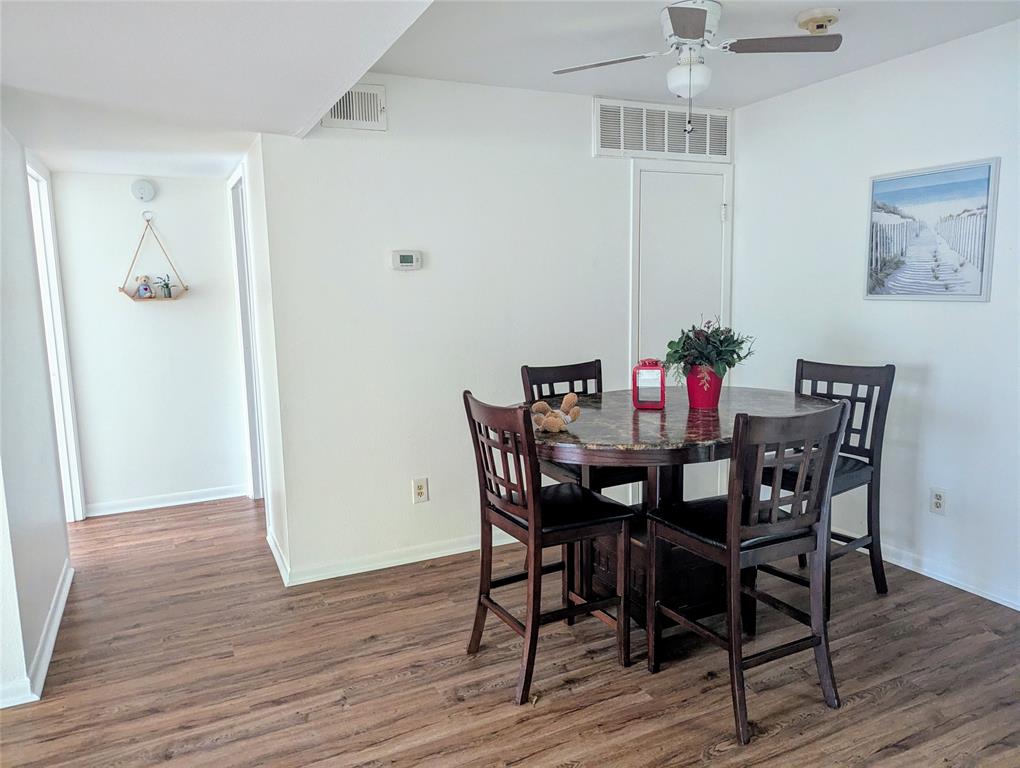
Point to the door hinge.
(724, 212)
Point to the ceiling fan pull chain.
(689, 128)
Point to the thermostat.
(406, 260)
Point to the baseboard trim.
(413, 554)
(18, 692)
(281, 561)
(40, 663)
(99, 509)
(913, 562)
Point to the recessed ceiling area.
(90, 79)
(519, 44)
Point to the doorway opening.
(246, 324)
(41, 206)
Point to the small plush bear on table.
(549, 419)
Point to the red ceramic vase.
(703, 387)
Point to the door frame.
(725, 172)
(65, 416)
(240, 228)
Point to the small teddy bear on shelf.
(144, 289)
(548, 419)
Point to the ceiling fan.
(690, 27)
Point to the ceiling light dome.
(687, 81)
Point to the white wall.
(803, 162)
(526, 260)
(158, 386)
(34, 554)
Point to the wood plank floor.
(180, 644)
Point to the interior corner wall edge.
(35, 551)
(158, 386)
(804, 161)
(275, 485)
(498, 187)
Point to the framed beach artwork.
(931, 233)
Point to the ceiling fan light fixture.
(688, 81)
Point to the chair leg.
(802, 561)
(531, 623)
(828, 589)
(875, 531)
(819, 628)
(652, 628)
(586, 547)
(484, 583)
(568, 578)
(585, 559)
(623, 591)
(734, 632)
(748, 605)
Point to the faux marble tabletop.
(609, 422)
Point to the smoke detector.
(818, 20)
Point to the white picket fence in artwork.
(965, 233)
(890, 240)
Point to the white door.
(680, 272)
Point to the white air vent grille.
(609, 127)
(633, 129)
(364, 106)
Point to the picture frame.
(931, 233)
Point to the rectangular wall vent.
(364, 107)
(634, 129)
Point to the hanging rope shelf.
(164, 290)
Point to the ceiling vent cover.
(635, 129)
(364, 107)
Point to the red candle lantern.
(648, 385)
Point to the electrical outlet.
(419, 490)
(939, 501)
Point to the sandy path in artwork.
(932, 267)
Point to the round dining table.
(611, 432)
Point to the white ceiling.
(70, 135)
(90, 78)
(518, 44)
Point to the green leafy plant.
(165, 285)
(710, 344)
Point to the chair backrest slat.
(541, 382)
(866, 425)
(504, 443)
(777, 479)
(806, 445)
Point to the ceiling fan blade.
(795, 44)
(688, 23)
(610, 62)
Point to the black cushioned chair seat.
(567, 505)
(850, 473)
(705, 520)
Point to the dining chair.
(743, 530)
(514, 500)
(541, 382)
(554, 381)
(859, 464)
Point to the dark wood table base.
(691, 581)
